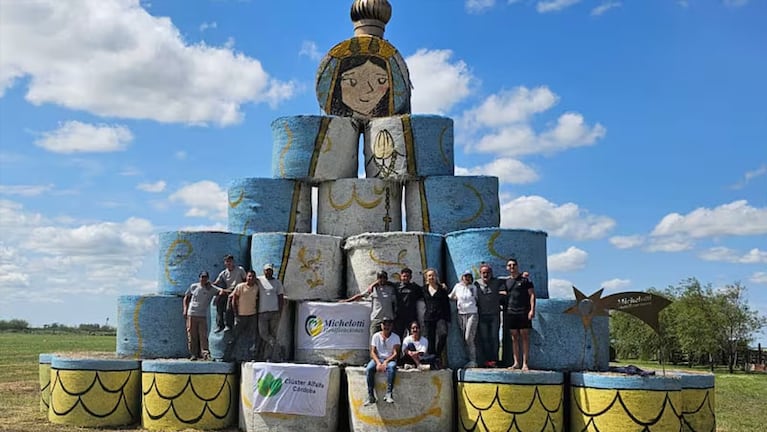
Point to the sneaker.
(388, 398)
(206, 357)
(218, 330)
(370, 400)
(424, 367)
(408, 366)
(193, 358)
(470, 364)
(489, 364)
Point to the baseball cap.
(268, 266)
(203, 274)
(467, 272)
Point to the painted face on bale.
(364, 86)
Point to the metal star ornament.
(645, 306)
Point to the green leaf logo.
(269, 385)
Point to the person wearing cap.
(409, 295)
(271, 297)
(489, 306)
(245, 307)
(384, 351)
(465, 295)
(383, 297)
(229, 277)
(196, 307)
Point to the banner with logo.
(290, 388)
(333, 325)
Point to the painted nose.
(371, 87)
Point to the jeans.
(370, 373)
(487, 337)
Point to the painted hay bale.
(310, 266)
(500, 400)
(94, 391)
(151, 326)
(369, 253)
(423, 401)
(181, 394)
(252, 421)
(466, 249)
(44, 375)
(560, 341)
(443, 204)
(348, 207)
(184, 254)
(332, 333)
(266, 205)
(615, 402)
(698, 401)
(409, 147)
(314, 148)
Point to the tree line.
(21, 325)
(702, 325)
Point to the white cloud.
(566, 220)
(759, 278)
(180, 155)
(96, 258)
(208, 25)
(554, 5)
(561, 288)
(477, 6)
(155, 187)
(570, 131)
(615, 284)
(112, 58)
(669, 244)
(627, 242)
(754, 256)
(438, 83)
(506, 169)
(77, 137)
(737, 218)
(25, 190)
(309, 49)
(203, 199)
(604, 7)
(750, 175)
(510, 106)
(569, 260)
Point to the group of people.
(246, 304)
(396, 332)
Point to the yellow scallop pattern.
(45, 386)
(698, 410)
(90, 398)
(510, 407)
(179, 401)
(607, 410)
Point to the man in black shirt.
(519, 311)
(408, 296)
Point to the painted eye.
(382, 81)
(351, 81)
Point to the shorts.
(516, 322)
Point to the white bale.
(332, 333)
(423, 401)
(251, 421)
(369, 253)
(347, 207)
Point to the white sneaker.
(388, 398)
(370, 401)
(408, 366)
(424, 367)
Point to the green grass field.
(741, 399)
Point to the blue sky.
(633, 132)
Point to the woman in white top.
(465, 295)
(414, 353)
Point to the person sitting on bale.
(414, 353)
(384, 351)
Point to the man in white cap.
(270, 302)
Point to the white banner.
(290, 388)
(333, 325)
